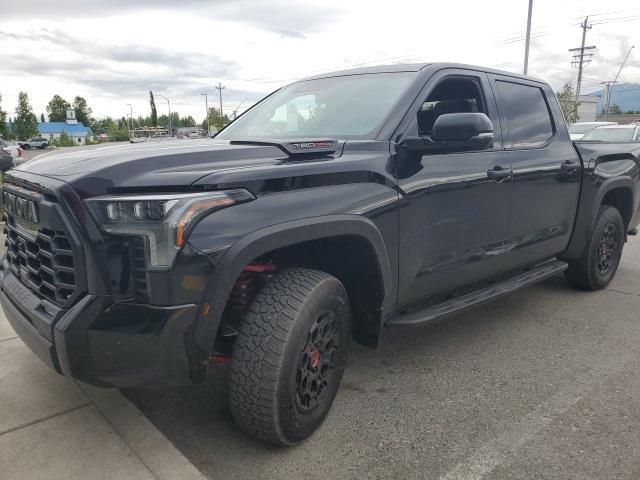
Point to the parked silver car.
(35, 142)
(614, 133)
(578, 130)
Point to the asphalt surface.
(540, 384)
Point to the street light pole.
(528, 38)
(235, 112)
(206, 108)
(130, 119)
(168, 105)
(611, 84)
(220, 87)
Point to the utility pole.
(579, 58)
(528, 38)
(206, 108)
(609, 85)
(169, 105)
(221, 87)
(130, 119)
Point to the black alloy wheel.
(316, 367)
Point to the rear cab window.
(525, 115)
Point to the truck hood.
(167, 165)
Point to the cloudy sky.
(113, 51)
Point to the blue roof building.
(71, 127)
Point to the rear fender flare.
(591, 198)
(259, 242)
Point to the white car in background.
(580, 129)
(14, 150)
(614, 133)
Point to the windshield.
(581, 128)
(610, 134)
(352, 106)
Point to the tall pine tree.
(4, 129)
(154, 112)
(26, 122)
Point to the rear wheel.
(600, 259)
(289, 356)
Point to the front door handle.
(569, 166)
(498, 173)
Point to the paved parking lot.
(542, 384)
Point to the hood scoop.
(298, 149)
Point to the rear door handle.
(569, 166)
(498, 173)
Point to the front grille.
(43, 262)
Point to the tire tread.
(258, 353)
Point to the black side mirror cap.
(464, 131)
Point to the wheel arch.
(619, 192)
(280, 236)
(620, 196)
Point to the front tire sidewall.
(298, 425)
(269, 350)
(610, 216)
(584, 273)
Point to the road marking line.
(504, 447)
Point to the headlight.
(163, 220)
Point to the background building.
(76, 130)
(588, 108)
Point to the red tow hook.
(218, 359)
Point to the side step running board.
(469, 300)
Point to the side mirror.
(464, 131)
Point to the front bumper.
(91, 342)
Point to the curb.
(153, 449)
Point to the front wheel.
(289, 356)
(601, 257)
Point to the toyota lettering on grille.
(21, 207)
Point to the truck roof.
(416, 67)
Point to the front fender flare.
(259, 242)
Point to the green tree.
(64, 140)
(117, 134)
(26, 122)
(57, 109)
(154, 111)
(615, 109)
(42, 117)
(83, 112)
(4, 129)
(216, 120)
(186, 122)
(568, 104)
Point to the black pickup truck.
(336, 207)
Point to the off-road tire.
(586, 272)
(264, 379)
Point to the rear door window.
(525, 114)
